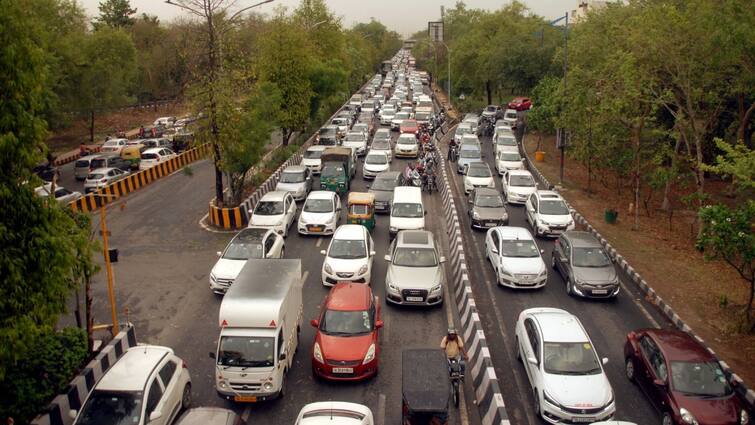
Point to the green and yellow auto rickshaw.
(361, 209)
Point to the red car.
(520, 103)
(681, 378)
(346, 342)
(409, 126)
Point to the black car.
(46, 172)
(382, 188)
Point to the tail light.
(103, 181)
(184, 364)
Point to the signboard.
(435, 31)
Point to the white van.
(407, 211)
(260, 318)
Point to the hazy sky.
(404, 16)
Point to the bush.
(43, 373)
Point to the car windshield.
(246, 351)
(376, 159)
(318, 206)
(354, 138)
(269, 208)
(415, 257)
(570, 358)
(478, 172)
(327, 132)
(332, 171)
(509, 156)
(406, 141)
(422, 116)
(347, 249)
(95, 176)
(346, 323)
(519, 248)
(112, 408)
(339, 121)
(383, 184)
(292, 177)
(553, 207)
(407, 210)
(489, 201)
(590, 257)
(506, 141)
(402, 116)
(82, 163)
(699, 379)
(381, 136)
(240, 249)
(381, 145)
(470, 153)
(522, 181)
(463, 130)
(150, 156)
(313, 154)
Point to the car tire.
(629, 369)
(186, 397)
(569, 290)
(553, 261)
(667, 419)
(536, 398)
(283, 253)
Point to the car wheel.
(283, 252)
(186, 397)
(553, 260)
(667, 419)
(629, 369)
(569, 290)
(536, 397)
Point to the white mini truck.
(260, 318)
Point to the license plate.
(600, 291)
(586, 420)
(490, 224)
(415, 299)
(315, 229)
(245, 398)
(343, 370)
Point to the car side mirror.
(72, 413)
(531, 360)
(659, 383)
(211, 355)
(219, 253)
(155, 415)
(605, 360)
(494, 250)
(379, 324)
(282, 357)
(387, 258)
(542, 251)
(251, 211)
(315, 323)
(442, 259)
(372, 253)
(323, 252)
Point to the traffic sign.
(435, 31)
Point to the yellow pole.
(110, 290)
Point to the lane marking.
(639, 305)
(304, 277)
(203, 224)
(381, 410)
(319, 242)
(245, 414)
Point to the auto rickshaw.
(361, 209)
(425, 387)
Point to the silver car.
(486, 209)
(296, 179)
(414, 275)
(585, 266)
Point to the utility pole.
(561, 132)
(109, 269)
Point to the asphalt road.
(68, 180)
(162, 279)
(606, 321)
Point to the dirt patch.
(705, 294)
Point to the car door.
(370, 250)
(531, 208)
(493, 248)
(560, 256)
(337, 203)
(172, 398)
(154, 397)
(529, 349)
(505, 185)
(268, 246)
(653, 368)
(307, 180)
(290, 208)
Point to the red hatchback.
(346, 342)
(682, 379)
(520, 103)
(409, 126)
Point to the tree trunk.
(748, 308)
(666, 203)
(88, 312)
(744, 122)
(215, 129)
(636, 139)
(91, 126)
(489, 92)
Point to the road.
(606, 321)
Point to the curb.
(74, 395)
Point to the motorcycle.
(456, 373)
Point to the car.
(567, 378)
(83, 166)
(473, 120)
(356, 140)
(369, 106)
(492, 112)
(387, 114)
(113, 145)
(502, 127)
(328, 136)
(320, 214)
(461, 130)
(342, 123)
(510, 117)
(468, 153)
(381, 134)
(477, 174)
(505, 142)
(375, 162)
(296, 179)
(382, 146)
(102, 177)
(208, 416)
(346, 346)
(415, 275)
(406, 146)
(508, 160)
(515, 257)
(399, 118)
(409, 126)
(349, 256)
(155, 156)
(311, 158)
(584, 265)
(682, 379)
(275, 210)
(520, 103)
(148, 384)
(164, 121)
(517, 186)
(159, 142)
(335, 413)
(548, 214)
(111, 160)
(423, 116)
(486, 209)
(365, 127)
(382, 188)
(62, 195)
(252, 242)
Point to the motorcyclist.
(408, 171)
(452, 149)
(454, 348)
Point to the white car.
(320, 213)
(312, 160)
(357, 141)
(406, 146)
(102, 177)
(275, 210)
(399, 118)
(517, 186)
(155, 156)
(114, 146)
(515, 257)
(508, 160)
(342, 123)
(383, 146)
(477, 174)
(335, 413)
(296, 179)
(148, 384)
(548, 214)
(252, 242)
(164, 121)
(349, 256)
(502, 127)
(461, 130)
(386, 115)
(375, 163)
(510, 117)
(564, 370)
(62, 195)
(505, 142)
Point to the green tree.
(737, 162)
(115, 14)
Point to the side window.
(167, 372)
(269, 242)
(533, 198)
(567, 249)
(529, 326)
(495, 239)
(280, 342)
(153, 398)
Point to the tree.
(115, 14)
(737, 162)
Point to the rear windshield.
(313, 154)
(95, 176)
(150, 156)
(99, 163)
(82, 163)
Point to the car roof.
(548, 194)
(350, 232)
(519, 173)
(133, 369)
(420, 238)
(294, 169)
(514, 233)
(582, 239)
(479, 164)
(486, 191)
(154, 150)
(558, 325)
(320, 194)
(317, 148)
(680, 346)
(275, 195)
(349, 296)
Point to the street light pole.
(563, 132)
(108, 268)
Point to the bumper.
(396, 298)
(521, 283)
(404, 154)
(555, 415)
(469, 189)
(315, 169)
(231, 395)
(588, 291)
(367, 174)
(553, 231)
(514, 199)
(382, 207)
(332, 279)
(311, 229)
(359, 371)
(486, 224)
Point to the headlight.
(362, 270)
(370, 356)
(318, 353)
(543, 273)
(550, 399)
(222, 383)
(504, 271)
(267, 386)
(327, 268)
(436, 288)
(213, 279)
(392, 287)
(744, 418)
(475, 215)
(302, 220)
(394, 229)
(687, 417)
(544, 223)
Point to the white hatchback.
(349, 256)
(114, 145)
(276, 210)
(375, 163)
(548, 214)
(505, 160)
(406, 146)
(155, 156)
(335, 413)
(477, 174)
(252, 242)
(517, 186)
(320, 213)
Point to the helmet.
(451, 331)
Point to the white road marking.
(203, 224)
(319, 242)
(639, 305)
(381, 410)
(245, 414)
(304, 277)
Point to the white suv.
(548, 214)
(149, 384)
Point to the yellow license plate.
(245, 398)
(315, 229)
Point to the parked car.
(113, 145)
(83, 166)
(374, 164)
(311, 158)
(296, 179)
(102, 177)
(415, 275)
(110, 160)
(515, 257)
(164, 121)
(154, 156)
(46, 172)
(508, 160)
(335, 413)
(208, 416)
(406, 146)
(584, 265)
(320, 214)
(275, 210)
(520, 103)
(517, 186)
(252, 242)
(566, 375)
(681, 378)
(148, 384)
(486, 209)
(346, 346)
(548, 214)
(62, 195)
(382, 188)
(477, 174)
(409, 127)
(349, 256)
